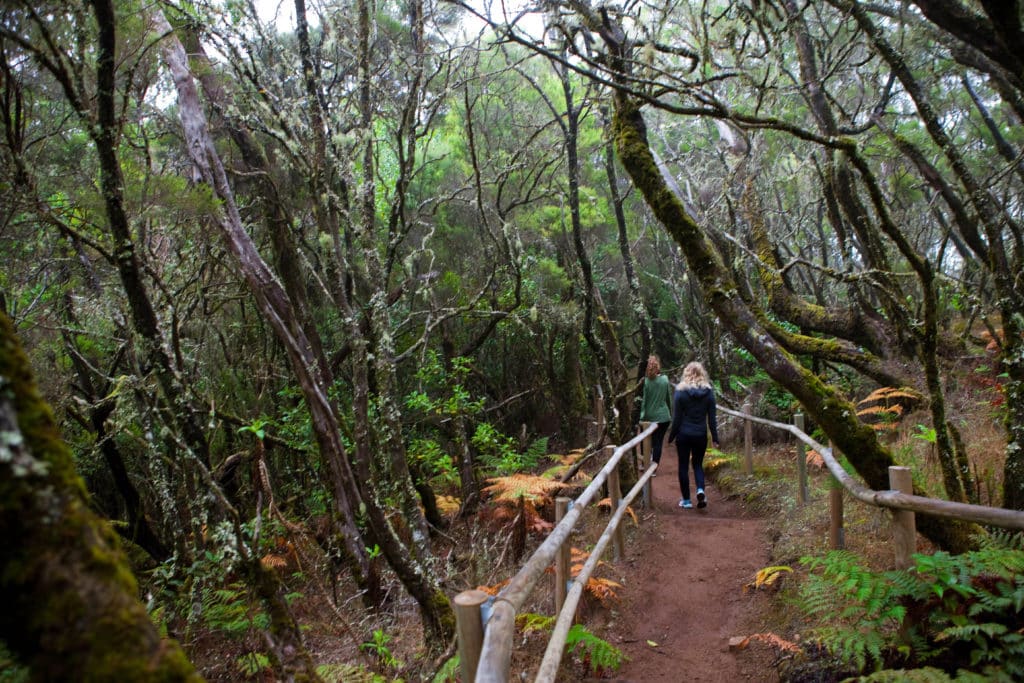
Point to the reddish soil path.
(686, 570)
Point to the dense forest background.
(327, 279)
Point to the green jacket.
(657, 402)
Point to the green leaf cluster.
(348, 673)
(378, 646)
(228, 610)
(598, 654)
(862, 606)
(956, 612)
(499, 454)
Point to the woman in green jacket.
(657, 404)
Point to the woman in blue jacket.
(693, 415)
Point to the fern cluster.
(599, 655)
(861, 608)
(958, 613)
(228, 609)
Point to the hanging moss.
(71, 610)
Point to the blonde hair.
(694, 375)
(653, 367)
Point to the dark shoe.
(702, 500)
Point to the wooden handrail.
(981, 514)
(496, 653)
(556, 644)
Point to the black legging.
(657, 439)
(691, 447)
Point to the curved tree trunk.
(643, 317)
(374, 371)
(836, 416)
(1001, 42)
(139, 529)
(276, 309)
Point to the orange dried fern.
(890, 394)
(604, 590)
(606, 503)
(883, 407)
(495, 589)
(773, 640)
(530, 487)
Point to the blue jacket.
(694, 413)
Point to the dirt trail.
(686, 570)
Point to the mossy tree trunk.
(71, 608)
(836, 415)
(598, 329)
(636, 299)
(274, 305)
(924, 335)
(378, 426)
(94, 388)
(999, 36)
(91, 87)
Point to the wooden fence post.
(748, 441)
(904, 527)
(836, 533)
(646, 448)
(615, 496)
(801, 462)
(562, 558)
(469, 625)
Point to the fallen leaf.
(652, 643)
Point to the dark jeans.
(657, 439)
(691, 447)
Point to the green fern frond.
(599, 655)
(972, 602)
(530, 621)
(537, 450)
(970, 631)
(926, 675)
(1002, 539)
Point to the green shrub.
(963, 614)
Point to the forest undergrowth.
(883, 625)
(949, 618)
(485, 549)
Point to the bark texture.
(71, 610)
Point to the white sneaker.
(702, 500)
(685, 503)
